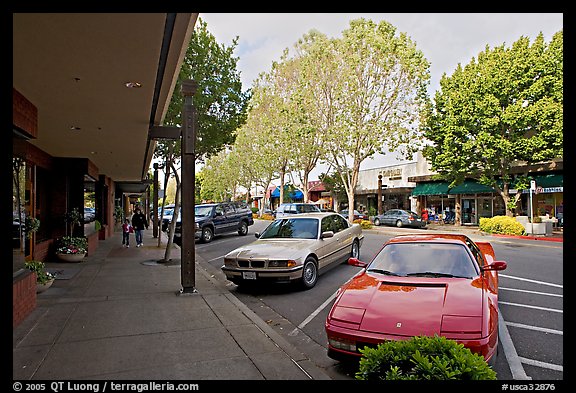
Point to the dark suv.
(288, 209)
(218, 218)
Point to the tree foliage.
(220, 103)
(503, 107)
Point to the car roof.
(431, 238)
(307, 215)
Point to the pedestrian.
(139, 222)
(425, 215)
(126, 231)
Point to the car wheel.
(309, 273)
(243, 229)
(207, 234)
(377, 222)
(399, 223)
(355, 253)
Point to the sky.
(445, 39)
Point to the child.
(126, 230)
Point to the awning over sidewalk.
(431, 188)
(441, 188)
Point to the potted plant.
(31, 225)
(72, 248)
(44, 279)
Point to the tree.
(375, 92)
(219, 101)
(504, 107)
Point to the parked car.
(167, 216)
(400, 218)
(357, 215)
(444, 284)
(214, 219)
(289, 209)
(296, 248)
(89, 214)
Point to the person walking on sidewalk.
(139, 223)
(126, 231)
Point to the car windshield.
(290, 228)
(424, 259)
(202, 211)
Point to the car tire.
(377, 222)
(309, 273)
(243, 229)
(207, 235)
(355, 252)
(399, 224)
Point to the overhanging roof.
(74, 67)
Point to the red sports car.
(444, 284)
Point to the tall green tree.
(376, 93)
(500, 109)
(220, 103)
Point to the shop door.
(468, 211)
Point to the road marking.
(213, 259)
(535, 307)
(538, 363)
(540, 329)
(532, 292)
(532, 281)
(313, 315)
(510, 351)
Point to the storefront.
(475, 200)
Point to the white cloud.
(445, 39)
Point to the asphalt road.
(531, 304)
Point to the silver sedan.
(296, 248)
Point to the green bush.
(501, 225)
(365, 224)
(422, 358)
(38, 267)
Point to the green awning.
(551, 180)
(470, 187)
(431, 188)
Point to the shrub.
(537, 220)
(365, 224)
(421, 357)
(501, 225)
(254, 210)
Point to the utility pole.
(188, 258)
(379, 194)
(155, 203)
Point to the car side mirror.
(257, 235)
(357, 262)
(496, 265)
(327, 234)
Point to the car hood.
(410, 306)
(273, 249)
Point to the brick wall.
(23, 296)
(24, 114)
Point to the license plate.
(249, 275)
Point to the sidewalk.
(472, 231)
(119, 315)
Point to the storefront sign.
(544, 190)
(393, 174)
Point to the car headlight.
(231, 262)
(281, 263)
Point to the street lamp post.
(189, 124)
(379, 194)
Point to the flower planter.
(71, 257)
(42, 287)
